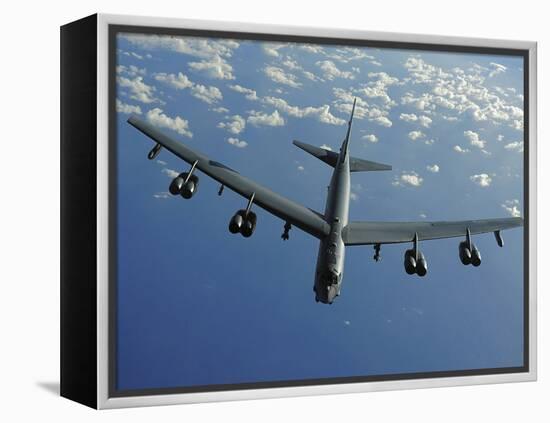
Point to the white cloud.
(500, 137)
(449, 118)
(131, 70)
(220, 110)
(260, 118)
(344, 103)
(377, 87)
(291, 63)
(213, 52)
(474, 139)
(139, 90)
(249, 93)
(512, 207)
(433, 168)
(180, 81)
(312, 48)
(461, 91)
(373, 112)
(459, 149)
(496, 69)
(322, 113)
(483, 180)
(237, 142)
(414, 135)
(157, 118)
(353, 196)
(161, 195)
(170, 172)
(216, 67)
(421, 103)
(301, 168)
(382, 78)
(311, 76)
(408, 117)
(132, 54)
(383, 120)
(326, 147)
(127, 108)
(423, 215)
(193, 46)
(515, 146)
(207, 94)
(411, 179)
(272, 49)
(425, 121)
(517, 124)
(330, 71)
(236, 124)
(281, 77)
(370, 138)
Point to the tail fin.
(345, 144)
(331, 158)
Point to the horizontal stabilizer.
(331, 158)
(360, 165)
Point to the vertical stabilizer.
(344, 149)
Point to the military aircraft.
(332, 228)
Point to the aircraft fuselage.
(330, 259)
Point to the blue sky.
(199, 306)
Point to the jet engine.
(464, 253)
(243, 222)
(177, 184)
(476, 256)
(154, 152)
(185, 185)
(410, 262)
(190, 187)
(469, 253)
(249, 225)
(414, 265)
(421, 265)
(236, 222)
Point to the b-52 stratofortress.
(333, 229)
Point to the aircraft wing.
(368, 233)
(294, 213)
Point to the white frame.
(103, 400)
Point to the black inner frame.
(112, 336)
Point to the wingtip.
(521, 221)
(132, 119)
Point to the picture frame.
(92, 193)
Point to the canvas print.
(293, 211)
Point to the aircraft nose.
(332, 292)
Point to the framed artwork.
(254, 211)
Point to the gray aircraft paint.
(331, 228)
(329, 271)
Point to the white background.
(29, 263)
